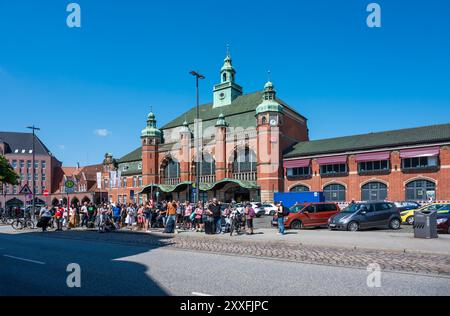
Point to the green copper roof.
(151, 130)
(241, 112)
(135, 155)
(221, 121)
(410, 136)
(269, 106)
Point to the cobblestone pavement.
(433, 264)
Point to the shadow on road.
(108, 267)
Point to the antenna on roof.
(269, 76)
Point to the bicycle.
(22, 223)
(236, 221)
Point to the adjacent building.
(406, 164)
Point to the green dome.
(269, 106)
(268, 85)
(221, 121)
(151, 130)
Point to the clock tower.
(227, 90)
(269, 117)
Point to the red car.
(308, 215)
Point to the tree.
(7, 173)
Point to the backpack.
(285, 211)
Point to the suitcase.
(170, 227)
(210, 227)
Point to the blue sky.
(129, 55)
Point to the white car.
(269, 209)
(259, 210)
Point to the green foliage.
(7, 173)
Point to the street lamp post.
(197, 149)
(33, 128)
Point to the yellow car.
(408, 216)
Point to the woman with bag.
(198, 217)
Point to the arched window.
(374, 191)
(208, 165)
(244, 160)
(172, 169)
(334, 193)
(420, 190)
(299, 188)
(224, 77)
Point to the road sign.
(46, 193)
(25, 190)
(70, 186)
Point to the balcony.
(245, 176)
(170, 181)
(207, 179)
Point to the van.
(308, 215)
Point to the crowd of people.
(211, 217)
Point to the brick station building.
(407, 164)
(240, 157)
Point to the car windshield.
(353, 208)
(297, 208)
(444, 210)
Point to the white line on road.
(200, 294)
(24, 259)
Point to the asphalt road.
(32, 264)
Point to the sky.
(90, 89)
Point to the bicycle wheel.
(17, 224)
(29, 224)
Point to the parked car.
(269, 209)
(443, 219)
(257, 207)
(407, 205)
(308, 215)
(408, 216)
(366, 215)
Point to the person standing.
(44, 217)
(131, 215)
(249, 216)
(187, 215)
(198, 217)
(147, 217)
(216, 213)
(84, 215)
(281, 211)
(171, 216)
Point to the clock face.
(222, 95)
(273, 122)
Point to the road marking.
(24, 259)
(200, 294)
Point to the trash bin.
(425, 224)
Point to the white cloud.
(102, 132)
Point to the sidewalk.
(374, 240)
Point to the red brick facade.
(396, 180)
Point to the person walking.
(59, 218)
(281, 211)
(249, 216)
(84, 215)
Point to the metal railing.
(245, 176)
(171, 181)
(207, 179)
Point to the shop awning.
(332, 160)
(385, 155)
(298, 163)
(220, 184)
(419, 152)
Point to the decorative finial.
(269, 76)
(228, 50)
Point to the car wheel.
(410, 220)
(394, 224)
(296, 225)
(353, 226)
